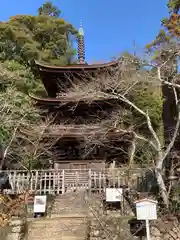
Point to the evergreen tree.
(44, 37)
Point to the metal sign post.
(146, 210)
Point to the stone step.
(57, 238)
(64, 211)
(71, 202)
(58, 229)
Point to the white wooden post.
(77, 179)
(54, 182)
(59, 179)
(104, 182)
(36, 181)
(89, 182)
(40, 183)
(15, 181)
(95, 182)
(50, 178)
(11, 181)
(63, 181)
(148, 230)
(24, 181)
(45, 182)
(100, 181)
(18, 182)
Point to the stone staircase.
(68, 220)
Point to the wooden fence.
(60, 181)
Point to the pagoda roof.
(67, 99)
(60, 78)
(74, 68)
(80, 131)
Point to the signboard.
(146, 209)
(40, 204)
(114, 194)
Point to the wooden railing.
(59, 181)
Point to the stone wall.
(14, 232)
(165, 229)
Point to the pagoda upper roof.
(74, 68)
(59, 78)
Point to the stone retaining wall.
(14, 230)
(165, 229)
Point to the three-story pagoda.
(81, 140)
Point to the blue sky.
(110, 26)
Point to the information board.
(146, 209)
(40, 204)
(114, 194)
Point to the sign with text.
(40, 204)
(146, 209)
(114, 194)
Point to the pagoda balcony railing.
(53, 182)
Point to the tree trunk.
(162, 187)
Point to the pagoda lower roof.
(74, 68)
(67, 99)
(70, 131)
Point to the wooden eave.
(80, 131)
(67, 99)
(74, 68)
(49, 74)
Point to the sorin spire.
(81, 45)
